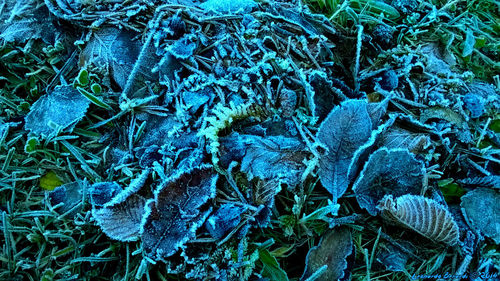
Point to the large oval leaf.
(344, 130)
(173, 217)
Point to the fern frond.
(223, 117)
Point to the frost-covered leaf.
(345, 129)
(392, 257)
(71, 195)
(443, 113)
(388, 171)
(487, 93)
(116, 51)
(325, 96)
(436, 61)
(332, 251)
(227, 217)
(182, 49)
(266, 157)
(274, 157)
(62, 107)
(474, 104)
(194, 100)
(400, 138)
(174, 215)
(159, 131)
(469, 42)
(229, 6)
(492, 181)
(422, 215)
(121, 221)
(119, 211)
(102, 192)
(23, 20)
(481, 209)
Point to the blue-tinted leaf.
(333, 249)
(388, 171)
(274, 157)
(182, 49)
(488, 94)
(102, 192)
(70, 194)
(481, 209)
(345, 129)
(173, 217)
(392, 257)
(469, 42)
(117, 51)
(474, 104)
(194, 100)
(21, 20)
(159, 131)
(131, 189)
(435, 62)
(64, 106)
(227, 217)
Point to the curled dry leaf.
(332, 251)
(423, 215)
(482, 210)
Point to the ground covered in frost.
(249, 140)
